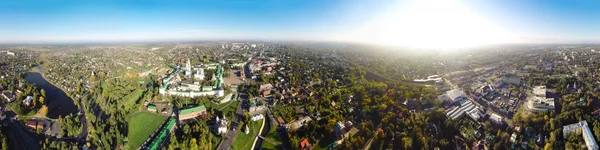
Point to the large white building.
(539, 102)
(188, 68)
(193, 90)
(466, 107)
(581, 128)
(456, 95)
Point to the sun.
(431, 24)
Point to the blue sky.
(87, 21)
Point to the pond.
(57, 101)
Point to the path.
(230, 135)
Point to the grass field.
(273, 136)
(141, 126)
(268, 146)
(242, 139)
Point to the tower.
(188, 68)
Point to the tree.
(42, 100)
(5, 143)
(407, 143)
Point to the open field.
(246, 140)
(141, 126)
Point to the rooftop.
(192, 110)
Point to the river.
(57, 101)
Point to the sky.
(418, 23)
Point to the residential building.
(268, 86)
(341, 129)
(28, 101)
(190, 113)
(581, 128)
(34, 124)
(9, 96)
(304, 144)
(539, 102)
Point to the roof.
(304, 143)
(164, 132)
(588, 136)
(193, 109)
(539, 91)
(151, 106)
(454, 94)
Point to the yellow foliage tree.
(43, 111)
(42, 100)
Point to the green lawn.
(141, 126)
(273, 135)
(228, 110)
(269, 146)
(243, 139)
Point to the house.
(581, 128)
(268, 86)
(28, 101)
(265, 92)
(34, 124)
(342, 129)
(221, 125)
(456, 95)
(304, 144)
(193, 112)
(9, 96)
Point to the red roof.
(304, 143)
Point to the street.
(230, 135)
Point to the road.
(84, 124)
(230, 135)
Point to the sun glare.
(430, 24)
